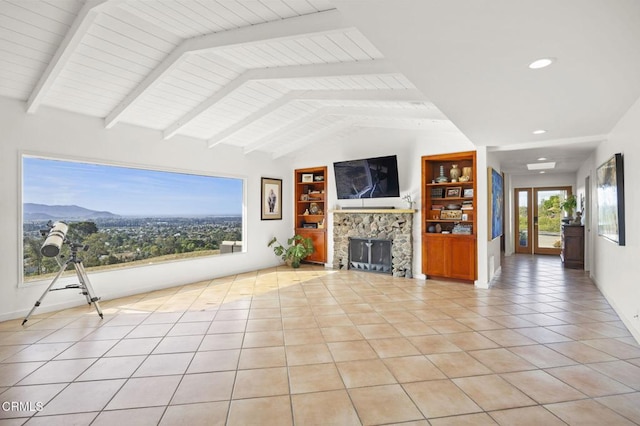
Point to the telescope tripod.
(84, 284)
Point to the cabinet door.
(462, 255)
(434, 253)
(318, 237)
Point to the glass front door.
(547, 219)
(539, 219)
(523, 225)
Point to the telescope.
(56, 237)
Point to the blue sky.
(128, 191)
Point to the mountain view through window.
(127, 216)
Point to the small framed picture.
(464, 217)
(468, 193)
(454, 192)
(271, 199)
(307, 177)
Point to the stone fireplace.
(395, 225)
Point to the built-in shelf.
(383, 211)
(310, 190)
(449, 245)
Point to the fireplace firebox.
(370, 255)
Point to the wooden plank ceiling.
(263, 75)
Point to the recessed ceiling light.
(542, 171)
(539, 132)
(541, 63)
(542, 158)
(541, 166)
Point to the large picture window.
(127, 216)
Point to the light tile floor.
(317, 346)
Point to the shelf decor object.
(451, 215)
(441, 178)
(454, 173)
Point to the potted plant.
(298, 247)
(569, 205)
(523, 238)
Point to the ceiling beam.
(87, 15)
(378, 66)
(328, 132)
(382, 112)
(404, 124)
(388, 95)
(376, 95)
(255, 116)
(292, 126)
(339, 111)
(550, 143)
(331, 131)
(327, 22)
(217, 97)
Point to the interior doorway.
(538, 219)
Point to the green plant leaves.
(298, 247)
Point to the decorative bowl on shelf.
(453, 206)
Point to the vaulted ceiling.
(277, 75)
(265, 75)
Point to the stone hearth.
(392, 224)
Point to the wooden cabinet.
(311, 209)
(449, 216)
(449, 256)
(572, 253)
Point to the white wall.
(370, 142)
(493, 260)
(588, 170)
(65, 135)
(544, 180)
(616, 269)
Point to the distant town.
(115, 240)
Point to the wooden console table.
(572, 254)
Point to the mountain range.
(34, 211)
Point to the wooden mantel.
(374, 210)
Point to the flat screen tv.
(367, 178)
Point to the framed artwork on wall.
(610, 199)
(271, 199)
(496, 195)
